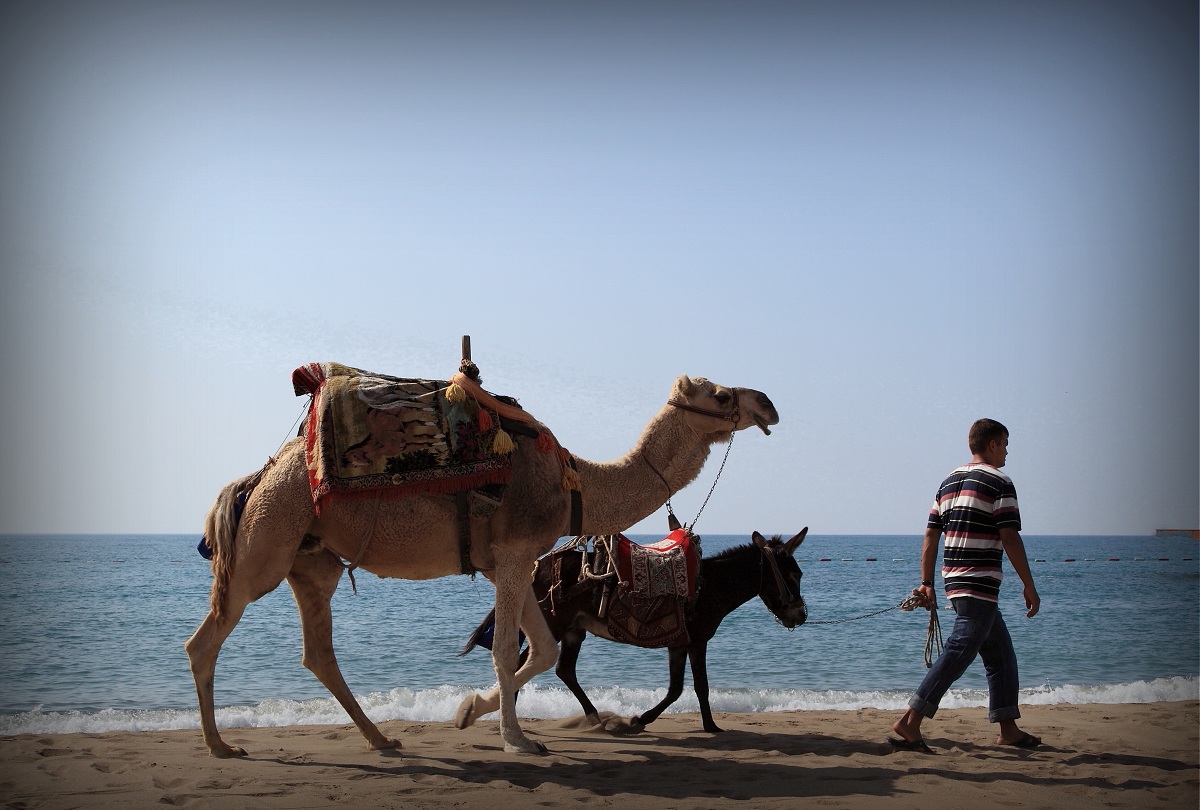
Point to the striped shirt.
(973, 504)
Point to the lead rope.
(933, 635)
(671, 512)
(362, 548)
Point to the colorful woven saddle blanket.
(370, 434)
(666, 568)
(658, 582)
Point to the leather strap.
(576, 506)
(463, 508)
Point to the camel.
(280, 535)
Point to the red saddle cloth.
(666, 568)
(658, 581)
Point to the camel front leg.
(314, 578)
(541, 655)
(512, 588)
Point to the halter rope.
(933, 635)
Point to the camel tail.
(483, 633)
(220, 529)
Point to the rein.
(671, 519)
(733, 417)
(933, 636)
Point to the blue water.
(92, 631)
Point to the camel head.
(711, 408)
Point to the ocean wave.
(438, 705)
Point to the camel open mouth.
(762, 424)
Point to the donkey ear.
(759, 540)
(795, 542)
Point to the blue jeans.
(978, 630)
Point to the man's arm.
(929, 554)
(1014, 547)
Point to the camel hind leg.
(254, 558)
(314, 578)
(202, 649)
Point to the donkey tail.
(482, 635)
(220, 529)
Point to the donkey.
(762, 568)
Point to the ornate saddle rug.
(371, 433)
(658, 582)
(665, 568)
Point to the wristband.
(927, 583)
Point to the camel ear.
(684, 386)
(795, 542)
(759, 540)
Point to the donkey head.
(779, 585)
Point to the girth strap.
(463, 508)
(576, 505)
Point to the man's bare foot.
(908, 727)
(1022, 739)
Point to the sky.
(893, 218)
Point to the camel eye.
(722, 397)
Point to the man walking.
(976, 509)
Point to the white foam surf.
(438, 705)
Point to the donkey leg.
(698, 653)
(572, 643)
(512, 586)
(539, 657)
(314, 578)
(677, 658)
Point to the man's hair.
(983, 433)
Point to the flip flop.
(919, 746)
(1027, 741)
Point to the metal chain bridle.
(671, 512)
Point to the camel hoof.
(465, 716)
(386, 744)
(227, 752)
(526, 747)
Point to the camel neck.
(668, 456)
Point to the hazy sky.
(891, 217)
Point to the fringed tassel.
(545, 442)
(456, 393)
(484, 420)
(570, 480)
(503, 443)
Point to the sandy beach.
(1114, 756)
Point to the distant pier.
(1192, 533)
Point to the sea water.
(92, 631)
